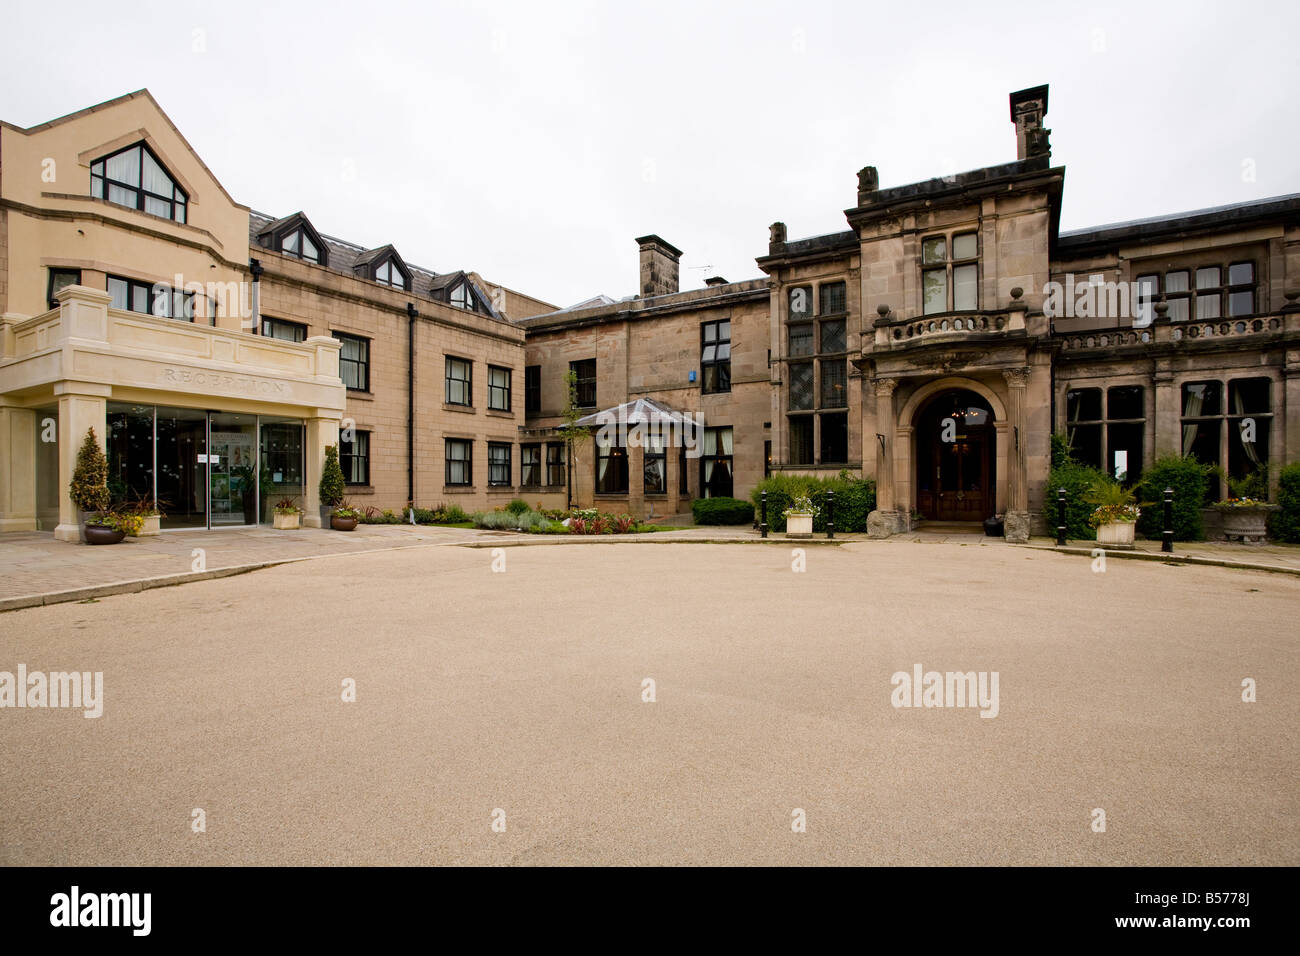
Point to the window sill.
(466, 409)
(360, 489)
(500, 413)
(611, 494)
(361, 394)
(501, 489)
(458, 489)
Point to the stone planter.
(1247, 525)
(343, 524)
(798, 526)
(152, 526)
(289, 522)
(1116, 535)
(97, 535)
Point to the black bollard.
(1167, 544)
(1060, 513)
(830, 514)
(762, 528)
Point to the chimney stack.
(658, 267)
(1028, 108)
(715, 281)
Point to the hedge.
(722, 511)
(1076, 479)
(1188, 478)
(855, 498)
(1284, 525)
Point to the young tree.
(573, 432)
(89, 488)
(332, 487)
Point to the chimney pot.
(1028, 109)
(659, 266)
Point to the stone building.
(938, 342)
(216, 352)
(935, 345)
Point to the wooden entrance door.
(960, 479)
(954, 458)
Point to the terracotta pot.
(798, 526)
(97, 535)
(343, 524)
(1116, 534)
(290, 522)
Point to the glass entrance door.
(181, 447)
(232, 469)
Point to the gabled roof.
(372, 257)
(115, 101)
(639, 411)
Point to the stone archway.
(905, 478)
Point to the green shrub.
(332, 487)
(722, 511)
(1078, 480)
(89, 487)
(1284, 525)
(518, 506)
(855, 498)
(1060, 449)
(1189, 479)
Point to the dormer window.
(134, 178)
(462, 297)
(298, 243)
(389, 273)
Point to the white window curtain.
(1191, 409)
(1249, 446)
(602, 457)
(655, 462)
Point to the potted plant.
(1115, 513)
(103, 527)
(89, 487)
(332, 487)
(344, 517)
(288, 516)
(799, 517)
(247, 475)
(145, 507)
(1246, 510)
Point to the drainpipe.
(255, 267)
(412, 313)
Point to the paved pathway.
(36, 569)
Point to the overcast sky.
(534, 141)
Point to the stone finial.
(868, 183)
(777, 237)
(1162, 310)
(883, 313)
(1017, 304)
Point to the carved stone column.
(1016, 522)
(885, 520)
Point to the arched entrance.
(956, 455)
